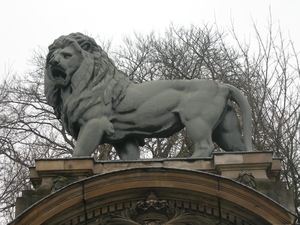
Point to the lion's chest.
(65, 94)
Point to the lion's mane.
(97, 81)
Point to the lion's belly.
(159, 109)
(146, 113)
(145, 126)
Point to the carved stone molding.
(59, 183)
(181, 217)
(247, 178)
(181, 197)
(153, 211)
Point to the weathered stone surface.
(228, 165)
(196, 196)
(265, 170)
(97, 103)
(29, 197)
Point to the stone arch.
(194, 196)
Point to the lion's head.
(79, 74)
(63, 62)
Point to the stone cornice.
(205, 196)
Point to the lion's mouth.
(59, 76)
(58, 73)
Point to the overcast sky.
(27, 24)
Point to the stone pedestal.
(255, 171)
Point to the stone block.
(227, 159)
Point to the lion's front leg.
(90, 135)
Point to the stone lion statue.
(97, 103)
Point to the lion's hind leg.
(128, 149)
(228, 133)
(199, 131)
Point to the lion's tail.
(240, 99)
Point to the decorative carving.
(147, 212)
(59, 183)
(152, 208)
(98, 104)
(247, 178)
(156, 212)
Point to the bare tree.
(269, 75)
(28, 131)
(272, 84)
(278, 115)
(181, 53)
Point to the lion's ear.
(87, 46)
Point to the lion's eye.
(66, 55)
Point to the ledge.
(198, 196)
(258, 170)
(261, 164)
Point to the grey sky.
(25, 25)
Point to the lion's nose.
(54, 61)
